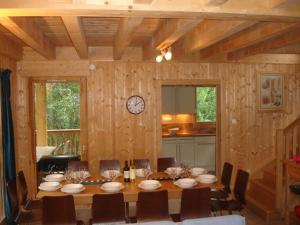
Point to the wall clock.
(135, 104)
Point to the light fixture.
(165, 53)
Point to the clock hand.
(137, 103)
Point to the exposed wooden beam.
(212, 31)
(142, 2)
(273, 58)
(216, 2)
(253, 35)
(76, 33)
(282, 3)
(265, 46)
(9, 48)
(30, 35)
(253, 9)
(124, 35)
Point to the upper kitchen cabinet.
(178, 99)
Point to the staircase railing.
(287, 145)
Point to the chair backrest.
(59, 210)
(164, 163)
(12, 192)
(76, 165)
(108, 165)
(152, 206)
(195, 203)
(108, 208)
(226, 176)
(240, 186)
(23, 189)
(141, 163)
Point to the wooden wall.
(115, 133)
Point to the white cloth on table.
(218, 220)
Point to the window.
(206, 104)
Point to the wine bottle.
(126, 172)
(132, 172)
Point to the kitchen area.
(189, 125)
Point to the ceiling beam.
(74, 27)
(253, 35)
(212, 31)
(216, 2)
(142, 2)
(27, 32)
(254, 9)
(282, 3)
(273, 58)
(265, 46)
(9, 48)
(124, 35)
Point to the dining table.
(130, 191)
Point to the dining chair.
(152, 205)
(21, 216)
(226, 177)
(59, 210)
(164, 163)
(108, 208)
(108, 165)
(25, 202)
(239, 193)
(141, 163)
(76, 165)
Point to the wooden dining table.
(130, 190)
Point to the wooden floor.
(253, 219)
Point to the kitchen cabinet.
(193, 151)
(178, 99)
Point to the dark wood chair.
(76, 165)
(25, 202)
(164, 163)
(108, 165)
(21, 216)
(59, 210)
(239, 192)
(226, 177)
(141, 163)
(108, 208)
(152, 206)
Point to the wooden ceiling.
(205, 29)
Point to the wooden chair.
(28, 204)
(141, 163)
(59, 210)
(152, 206)
(239, 192)
(164, 163)
(21, 216)
(76, 165)
(108, 208)
(226, 177)
(108, 165)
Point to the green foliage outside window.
(63, 106)
(206, 104)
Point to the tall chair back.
(108, 165)
(12, 192)
(164, 163)
(141, 163)
(108, 208)
(152, 206)
(240, 186)
(195, 203)
(23, 189)
(226, 176)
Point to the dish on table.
(109, 173)
(72, 188)
(56, 177)
(186, 183)
(207, 179)
(112, 187)
(49, 186)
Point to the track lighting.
(165, 53)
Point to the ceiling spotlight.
(168, 54)
(159, 58)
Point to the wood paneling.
(247, 136)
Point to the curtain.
(7, 141)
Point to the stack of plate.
(73, 188)
(149, 185)
(112, 187)
(56, 177)
(176, 170)
(198, 171)
(186, 183)
(206, 178)
(49, 186)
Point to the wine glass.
(112, 174)
(68, 175)
(146, 172)
(173, 173)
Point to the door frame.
(83, 118)
(197, 83)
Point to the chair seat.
(34, 204)
(231, 205)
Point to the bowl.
(206, 178)
(149, 187)
(49, 186)
(150, 183)
(176, 170)
(198, 171)
(112, 186)
(186, 182)
(55, 177)
(72, 188)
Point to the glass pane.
(206, 104)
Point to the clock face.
(135, 104)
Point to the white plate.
(206, 181)
(183, 187)
(112, 191)
(148, 189)
(51, 189)
(72, 191)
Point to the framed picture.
(270, 88)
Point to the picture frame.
(270, 90)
